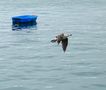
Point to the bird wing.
(64, 44)
(54, 40)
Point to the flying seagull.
(63, 39)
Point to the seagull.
(63, 39)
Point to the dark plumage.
(63, 40)
(64, 43)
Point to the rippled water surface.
(29, 61)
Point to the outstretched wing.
(64, 44)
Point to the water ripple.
(99, 85)
(87, 74)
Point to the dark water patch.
(83, 63)
(87, 74)
(41, 70)
(85, 87)
(21, 76)
(16, 76)
(6, 80)
(99, 85)
(4, 47)
(57, 69)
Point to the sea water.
(29, 61)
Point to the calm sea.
(29, 61)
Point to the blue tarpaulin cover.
(24, 21)
(24, 18)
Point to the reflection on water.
(18, 28)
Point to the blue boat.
(24, 21)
